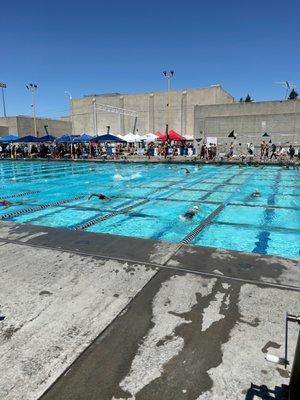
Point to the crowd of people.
(268, 151)
(208, 152)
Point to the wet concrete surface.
(153, 320)
(184, 337)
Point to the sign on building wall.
(211, 140)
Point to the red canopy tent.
(172, 135)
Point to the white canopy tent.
(138, 138)
(131, 138)
(150, 137)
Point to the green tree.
(293, 95)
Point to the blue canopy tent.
(108, 138)
(47, 138)
(66, 138)
(8, 138)
(27, 139)
(84, 138)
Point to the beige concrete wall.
(3, 130)
(22, 126)
(10, 123)
(280, 119)
(151, 108)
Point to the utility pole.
(3, 86)
(95, 117)
(71, 110)
(169, 75)
(33, 88)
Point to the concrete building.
(280, 119)
(23, 125)
(151, 109)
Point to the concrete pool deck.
(95, 316)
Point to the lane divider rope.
(195, 232)
(22, 194)
(40, 207)
(97, 220)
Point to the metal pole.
(168, 115)
(3, 100)
(168, 75)
(32, 88)
(34, 116)
(71, 110)
(95, 117)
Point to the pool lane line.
(97, 220)
(195, 232)
(263, 206)
(263, 238)
(252, 226)
(21, 194)
(38, 208)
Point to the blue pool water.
(148, 200)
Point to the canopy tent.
(108, 138)
(8, 138)
(27, 139)
(172, 135)
(150, 137)
(131, 138)
(47, 138)
(84, 138)
(66, 138)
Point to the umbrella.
(83, 138)
(8, 138)
(47, 138)
(108, 138)
(266, 134)
(27, 139)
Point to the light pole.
(3, 86)
(169, 75)
(95, 117)
(71, 110)
(32, 87)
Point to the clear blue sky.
(95, 46)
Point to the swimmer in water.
(100, 196)
(5, 203)
(186, 170)
(190, 213)
(255, 194)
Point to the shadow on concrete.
(265, 393)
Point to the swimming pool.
(147, 201)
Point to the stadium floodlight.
(3, 86)
(32, 87)
(169, 75)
